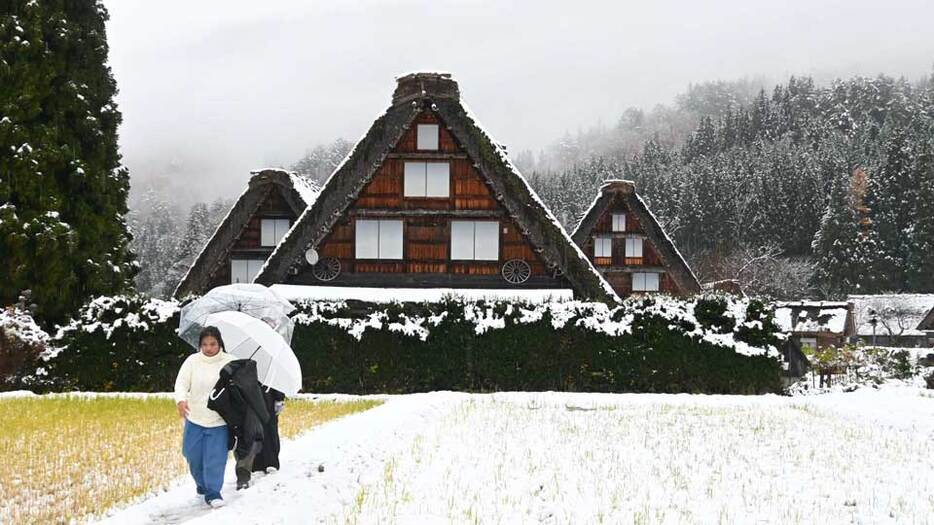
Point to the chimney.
(416, 86)
(626, 187)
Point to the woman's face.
(209, 346)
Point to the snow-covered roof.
(896, 314)
(306, 188)
(299, 193)
(812, 316)
(295, 292)
(440, 93)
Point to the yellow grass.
(68, 458)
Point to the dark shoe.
(241, 485)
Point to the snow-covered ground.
(860, 457)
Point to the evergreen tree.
(63, 191)
(837, 245)
(155, 238)
(921, 259)
(197, 232)
(891, 200)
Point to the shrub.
(122, 343)
(651, 344)
(21, 343)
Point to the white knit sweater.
(196, 379)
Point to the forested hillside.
(800, 190)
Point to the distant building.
(250, 231)
(426, 199)
(896, 320)
(816, 324)
(629, 246)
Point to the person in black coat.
(239, 399)
(268, 458)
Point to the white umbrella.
(250, 338)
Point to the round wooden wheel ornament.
(326, 269)
(516, 271)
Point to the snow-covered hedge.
(21, 343)
(706, 344)
(710, 344)
(122, 343)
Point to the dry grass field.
(72, 457)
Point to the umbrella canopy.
(250, 338)
(254, 300)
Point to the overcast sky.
(211, 89)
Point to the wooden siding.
(248, 243)
(621, 281)
(427, 225)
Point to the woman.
(204, 443)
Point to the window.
(244, 270)
(427, 179)
(808, 342)
(475, 240)
(602, 247)
(634, 247)
(619, 222)
(272, 231)
(378, 239)
(427, 137)
(645, 282)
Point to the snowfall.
(858, 457)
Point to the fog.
(212, 89)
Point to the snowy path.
(862, 457)
(351, 449)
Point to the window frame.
(436, 136)
(454, 254)
(411, 176)
(598, 246)
(276, 223)
(614, 222)
(256, 263)
(631, 241)
(380, 224)
(643, 287)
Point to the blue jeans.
(205, 448)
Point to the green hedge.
(123, 343)
(650, 345)
(532, 356)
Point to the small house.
(250, 231)
(816, 324)
(427, 199)
(629, 247)
(896, 320)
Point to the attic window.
(475, 240)
(272, 231)
(427, 179)
(378, 239)
(619, 222)
(645, 282)
(244, 270)
(427, 137)
(602, 247)
(634, 247)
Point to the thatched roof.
(625, 190)
(439, 93)
(298, 192)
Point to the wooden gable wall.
(426, 226)
(247, 244)
(617, 270)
